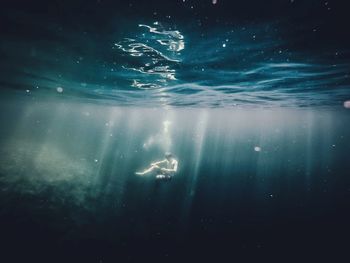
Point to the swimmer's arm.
(171, 170)
(175, 167)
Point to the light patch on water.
(170, 33)
(173, 38)
(140, 85)
(173, 45)
(257, 149)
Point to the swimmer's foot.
(162, 176)
(139, 173)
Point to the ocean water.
(251, 98)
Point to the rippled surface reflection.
(156, 62)
(159, 63)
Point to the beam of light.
(162, 139)
(199, 137)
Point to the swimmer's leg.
(149, 170)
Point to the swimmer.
(162, 172)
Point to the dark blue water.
(252, 98)
(179, 53)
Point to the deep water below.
(252, 182)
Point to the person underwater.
(164, 169)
